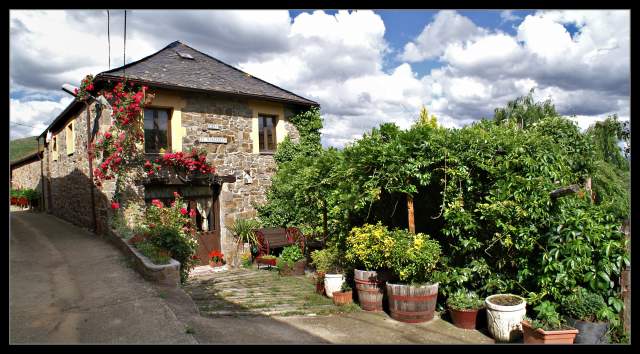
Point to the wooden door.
(209, 240)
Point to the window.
(267, 133)
(156, 130)
(70, 139)
(54, 150)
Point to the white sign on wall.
(213, 139)
(214, 127)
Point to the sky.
(363, 67)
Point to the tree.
(525, 111)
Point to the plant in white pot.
(243, 231)
(505, 313)
(327, 261)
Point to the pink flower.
(183, 211)
(107, 135)
(192, 213)
(157, 203)
(176, 194)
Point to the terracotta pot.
(342, 297)
(464, 318)
(216, 264)
(540, 336)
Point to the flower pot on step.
(505, 313)
(464, 318)
(342, 297)
(540, 336)
(412, 303)
(333, 283)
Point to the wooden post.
(324, 222)
(412, 225)
(625, 282)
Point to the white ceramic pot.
(333, 282)
(504, 322)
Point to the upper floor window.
(157, 130)
(70, 139)
(54, 149)
(267, 133)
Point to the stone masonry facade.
(26, 175)
(68, 186)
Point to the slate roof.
(203, 73)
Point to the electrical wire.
(109, 37)
(124, 53)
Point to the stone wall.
(26, 175)
(236, 157)
(67, 182)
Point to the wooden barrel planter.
(370, 289)
(412, 304)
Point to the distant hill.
(20, 148)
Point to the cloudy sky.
(363, 67)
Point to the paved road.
(67, 285)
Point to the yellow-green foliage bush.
(413, 257)
(369, 246)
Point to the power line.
(26, 125)
(124, 53)
(109, 37)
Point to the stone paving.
(238, 292)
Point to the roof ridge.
(234, 68)
(169, 46)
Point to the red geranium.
(115, 205)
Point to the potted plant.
(243, 231)
(323, 260)
(547, 327)
(216, 258)
(412, 258)
(269, 260)
(505, 313)
(291, 261)
(587, 312)
(343, 296)
(367, 251)
(463, 307)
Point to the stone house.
(25, 172)
(199, 102)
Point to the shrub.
(170, 228)
(463, 299)
(368, 246)
(413, 257)
(243, 230)
(584, 305)
(325, 260)
(290, 255)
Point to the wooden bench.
(271, 238)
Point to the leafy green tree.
(525, 111)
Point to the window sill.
(267, 152)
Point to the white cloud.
(337, 61)
(447, 27)
(37, 114)
(508, 16)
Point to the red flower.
(176, 194)
(192, 213)
(157, 203)
(75, 91)
(107, 135)
(115, 205)
(150, 173)
(183, 211)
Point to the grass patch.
(189, 330)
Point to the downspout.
(41, 173)
(90, 159)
